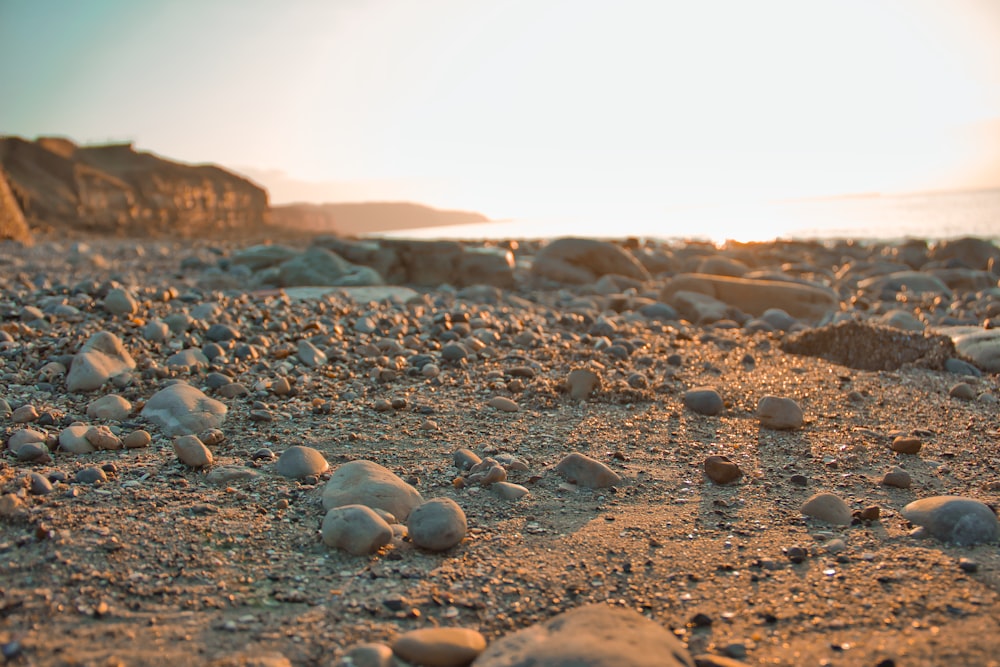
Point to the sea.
(870, 217)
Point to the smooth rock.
(509, 490)
(24, 414)
(704, 401)
(297, 462)
(437, 525)
(226, 475)
(578, 261)
(368, 483)
(310, 355)
(119, 302)
(192, 452)
(101, 358)
(829, 508)
(369, 655)
(595, 635)
(101, 437)
(798, 299)
(721, 470)
(503, 404)
(439, 647)
(23, 437)
(73, 439)
(581, 383)
(585, 471)
(111, 407)
(906, 445)
(465, 459)
(955, 519)
(181, 409)
(897, 478)
(962, 391)
(779, 413)
(192, 358)
(356, 529)
(39, 485)
(90, 475)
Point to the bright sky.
(528, 108)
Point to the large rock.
(181, 409)
(595, 635)
(437, 525)
(577, 261)
(367, 483)
(13, 226)
(101, 358)
(980, 346)
(357, 529)
(317, 266)
(912, 282)
(485, 266)
(973, 253)
(798, 299)
(262, 256)
(962, 521)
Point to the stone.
(906, 445)
(192, 452)
(39, 485)
(119, 302)
(585, 471)
(297, 462)
(954, 519)
(801, 300)
(829, 508)
(111, 407)
(962, 391)
(485, 266)
(503, 404)
(73, 439)
(180, 409)
(192, 358)
(90, 475)
(310, 355)
(779, 413)
(439, 647)
(721, 470)
(704, 401)
(23, 437)
(700, 308)
(897, 478)
(369, 655)
(33, 451)
(356, 529)
(262, 256)
(24, 414)
(595, 635)
(137, 439)
(465, 458)
(101, 358)
(901, 319)
(972, 252)
(578, 261)
(437, 525)
(581, 383)
(509, 490)
(368, 483)
(979, 346)
(101, 437)
(320, 267)
(912, 282)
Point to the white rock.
(181, 409)
(356, 529)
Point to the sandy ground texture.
(166, 564)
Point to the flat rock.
(23, 437)
(503, 404)
(829, 508)
(368, 483)
(955, 519)
(297, 462)
(798, 299)
(780, 413)
(585, 471)
(181, 409)
(509, 490)
(356, 529)
(191, 357)
(437, 525)
(369, 654)
(594, 635)
(101, 358)
(439, 647)
(704, 400)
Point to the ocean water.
(927, 215)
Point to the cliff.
(58, 186)
(360, 218)
(12, 224)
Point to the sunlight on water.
(925, 215)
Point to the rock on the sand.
(509, 491)
(581, 383)
(594, 635)
(439, 647)
(192, 452)
(298, 462)
(721, 470)
(503, 404)
(437, 525)
(798, 299)
(575, 260)
(111, 407)
(829, 508)
(23, 437)
(73, 439)
(779, 413)
(367, 483)
(181, 409)
(101, 358)
(120, 302)
(703, 400)
(897, 478)
(956, 519)
(356, 529)
(370, 654)
(585, 471)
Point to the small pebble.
(906, 445)
(721, 470)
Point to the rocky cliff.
(58, 186)
(349, 219)
(12, 223)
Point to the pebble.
(829, 508)
(594, 635)
(90, 475)
(439, 647)
(191, 359)
(704, 401)
(181, 409)
(509, 491)
(24, 414)
(23, 437)
(356, 529)
(581, 383)
(310, 355)
(33, 452)
(101, 437)
(39, 485)
(437, 525)
(465, 459)
(111, 407)
(721, 470)
(962, 391)
(906, 444)
(101, 358)
(585, 471)
(503, 404)
(955, 519)
(119, 302)
(369, 655)
(897, 478)
(137, 439)
(192, 452)
(73, 439)
(368, 483)
(297, 462)
(779, 413)
(225, 475)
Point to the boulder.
(101, 358)
(367, 483)
(973, 253)
(181, 409)
(801, 300)
(317, 266)
(485, 266)
(577, 261)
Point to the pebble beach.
(320, 452)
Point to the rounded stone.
(370, 655)
(906, 445)
(704, 401)
(181, 409)
(955, 519)
(829, 508)
(192, 452)
(503, 404)
(23, 437)
(356, 529)
(101, 437)
(581, 383)
(297, 462)
(897, 478)
(721, 470)
(439, 647)
(73, 439)
(585, 471)
(111, 407)
(509, 491)
(437, 525)
(90, 475)
(368, 483)
(137, 439)
(119, 302)
(779, 413)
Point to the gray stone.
(437, 525)
(112, 407)
(320, 267)
(101, 358)
(356, 529)
(581, 383)
(575, 260)
(181, 409)
(23, 437)
(829, 508)
(310, 355)
(262, 256)
(119, 302)
(298, 462)
(594, 635)
(913, 282)
(368, 483)
(73, 439)
(191, 357)
(704, 401)
(955, 519)
(90, 475)
(585, 471)
(192, 452)
(779, 413)
(370, 655)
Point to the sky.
(524, 109)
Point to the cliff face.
(114, 189)
(360, 218)
(12, 223)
